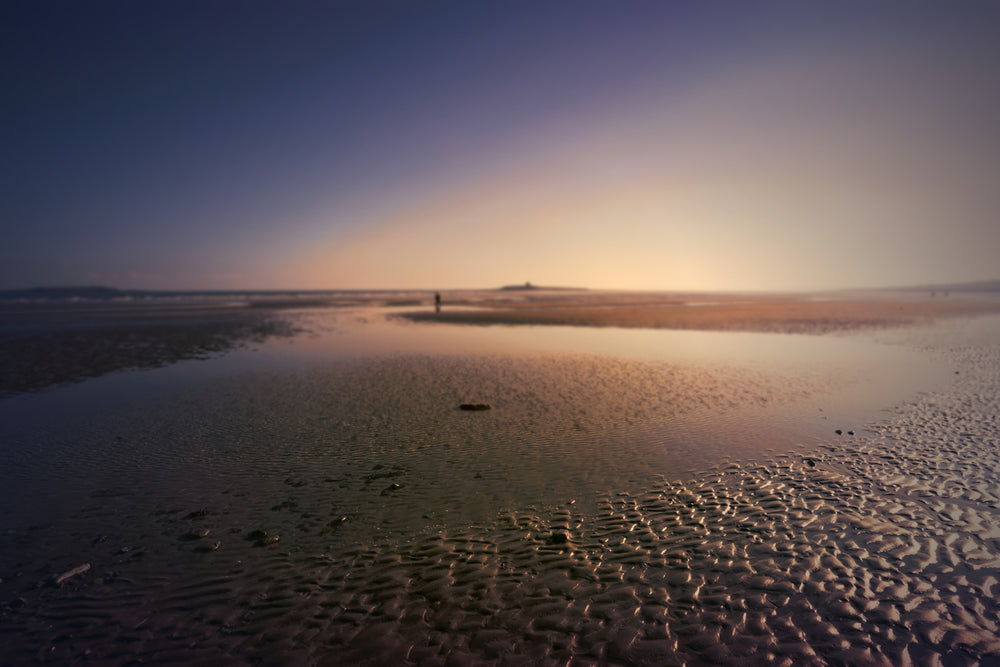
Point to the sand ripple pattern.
(880, 548)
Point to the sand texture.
(352, 514)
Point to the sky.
(435, 145)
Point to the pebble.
(558, 537)
(212, 547)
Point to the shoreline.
(755, 314)
(46, 346)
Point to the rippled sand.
(354, 515)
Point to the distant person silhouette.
(437, 302)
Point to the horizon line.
(991, 284)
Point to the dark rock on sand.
(475, 406)
(389, 489)
(265, 539)
(559, 537)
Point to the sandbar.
(759, 313)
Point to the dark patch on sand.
(48, 349)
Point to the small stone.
(257, 535)
(389, 489)
(839, 432)
(267, 540)
(475, 406)
(810, 462)
(559, 537)
(850, 433)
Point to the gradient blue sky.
(648, 145)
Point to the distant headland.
(529, 286)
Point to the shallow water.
(577, 411)
(865, 372)
(635, 496)
(859, 374)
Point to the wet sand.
(350, 513)
(40, 348)
(762, 313)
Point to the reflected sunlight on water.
(602, 406)
(878, 374)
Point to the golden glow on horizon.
(763, 148)
(762, 179)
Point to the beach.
(660, 479)
(808, 314)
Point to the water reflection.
(872, 374)
(579, 411)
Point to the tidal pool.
(645, 497)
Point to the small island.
(527, 286)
